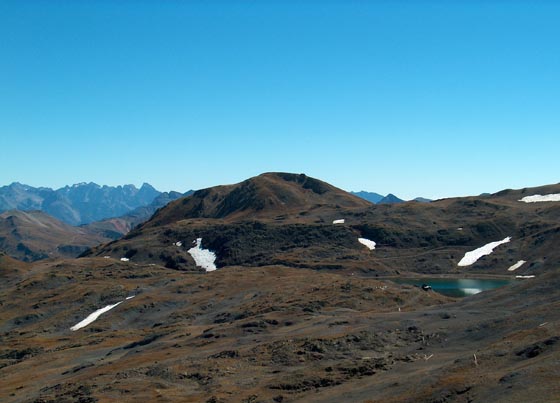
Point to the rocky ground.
(298, 309)
(269, 334)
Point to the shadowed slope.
(262, 221)
(268, 219)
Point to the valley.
(299, 308)
(323, 201)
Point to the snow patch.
(178, 243)
(541, 198)
(340, 221)
(472, 256)
(517, 265)
(530, 276)
(203, 257)
(124, 259)
(369, 244)
(93, 316)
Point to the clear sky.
(417, 98)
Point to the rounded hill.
(273, 196)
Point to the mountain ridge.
(390, 198)
(298, 305)
(88, 202)
(270, 220)
(35, 235)
(78, 204)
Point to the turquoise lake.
(455, 287)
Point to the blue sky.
(417, 98)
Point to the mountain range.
(369, 196)
(289, 219)
(304, 304)
(85, 203)
(116, 227)
(78, 204)
(31, 235)
(376, 198)
(37, 222)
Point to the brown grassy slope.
(270, 196)
(33, 235)
(428, 238)
(11, 270)
(195, 334)
(271, 334)
(433, 237)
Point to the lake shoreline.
(453, 276)
(454, 287)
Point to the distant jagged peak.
(82, 184)
(146, 185)
(390, 199)
(146, 188)
(369, 196)
(80, 203)
(376, 198)
(78, 186)
(129, 186)
(19, 186)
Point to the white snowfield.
(340, 221)
(203, 257)
(541, 198)
(517, 265)
(369, 244)
(472, 256)
(124, 259)
(529, 276)
(93, 316)
(178, 243)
